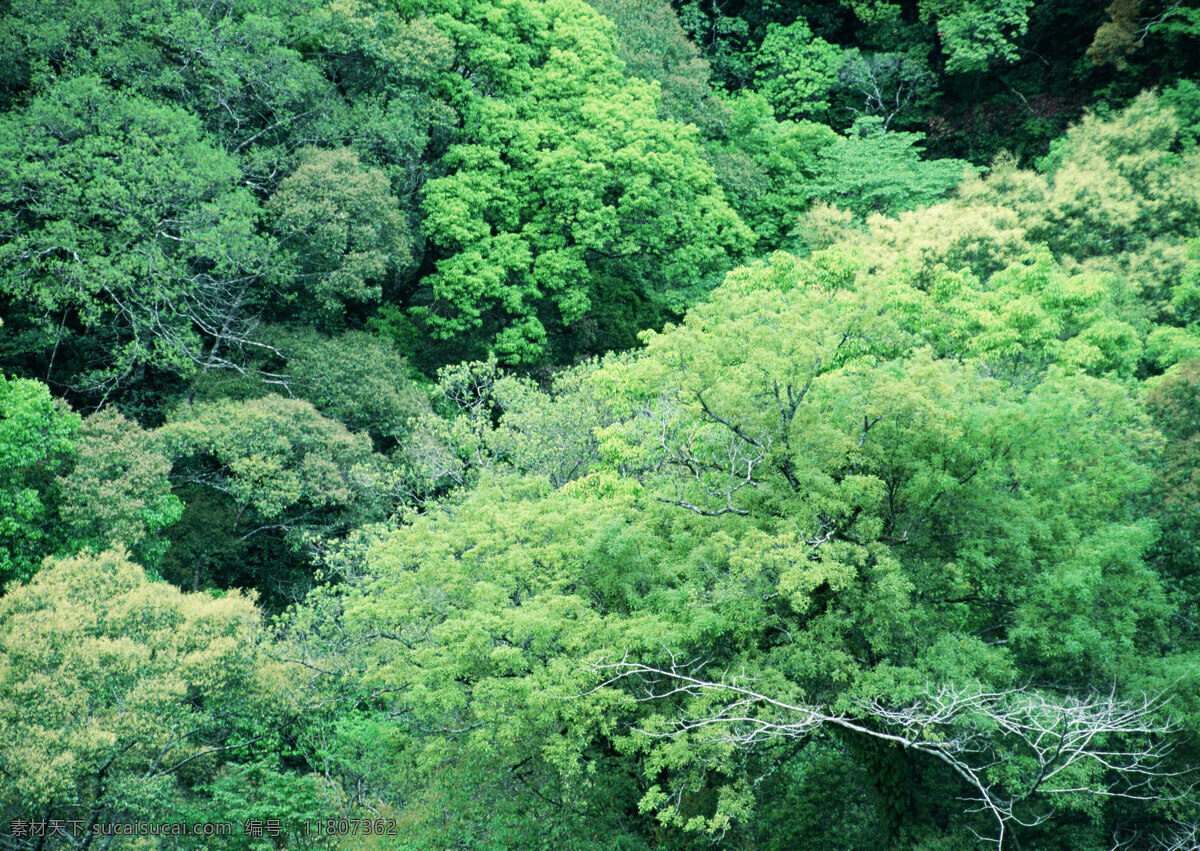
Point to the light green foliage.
(796, 70)
(1031, 314)
(949, 235)
(946, 451)
(875, 171)
(275, 455)
(483, 630)
(127, 238)
(117, 492)
(1111, 184)
(1178, 281)
(342, 229)
(492, 420)
(976, 34)
(36, 441)
(794, 488)
(565, 176)
(1121, 180)
(911, 493)
(116, 691)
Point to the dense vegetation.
(621, 425)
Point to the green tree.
(487, 420)
(36, 441)
(769, 169)
(890, 85)
(1111, 184)
(117, 492)
(976, 34)
(653, 47)
(342, 230)
(263, 479)
(356, 378)
(1174, 401)
(127, 243)
(796, 70)
(567, 196)
(234, 65)
(789, 485)
(118, 693)
(875, 171)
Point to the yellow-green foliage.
(1113, 184)
(117, 491)
(111, 682)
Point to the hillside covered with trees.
(625, 424)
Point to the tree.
(875, 171)
(117, 492)
(1173, 401)
(356, 378)
(886, 84)
(36, 440)
(233, 65)
(769, 169)
(486, 420)
(1052, 747)
(653, 47)
(118, 693)
(1111, 184)
(127, 243)
(565, 190)
(796, 70)
(343, 232)
(263, 479)
(1131, 22)
(789, 483)
(976, 34)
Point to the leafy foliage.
(263, 478)
(127, 240)
(424, 324)
(118, 692)
(613, 188)
(118, 492)
(36, 441)
(343, 229)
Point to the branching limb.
(1096, 744)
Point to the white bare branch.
(1095, 744)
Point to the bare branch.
(1096, 744)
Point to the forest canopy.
(633, 424)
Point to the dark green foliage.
(355, 378)
(1175, 404)
(128, 243)
(344, 233)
